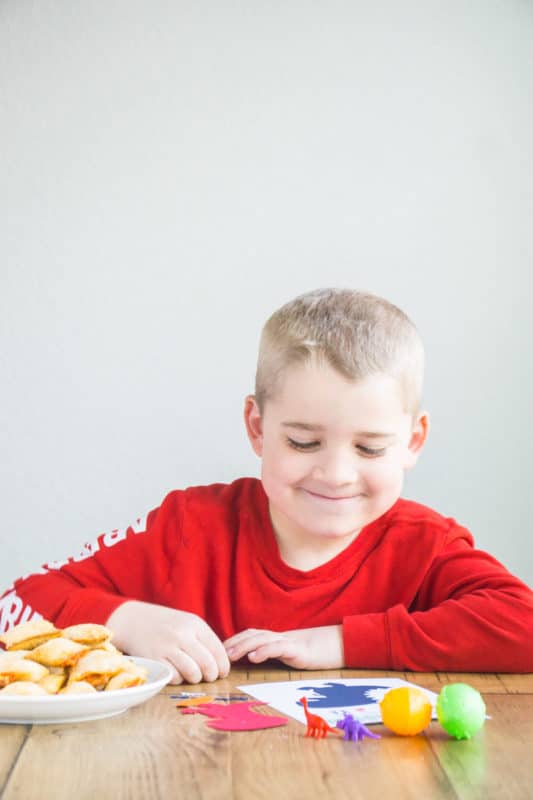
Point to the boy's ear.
(419, 435)
(254, 424)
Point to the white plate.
(82, 707)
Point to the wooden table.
(152, 751)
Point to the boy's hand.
(308, 648)
(182, 639)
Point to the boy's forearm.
(478, 633)
(90, 586)
(469, 614)
(58, 599)
(366, 643)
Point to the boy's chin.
(333, 532)
(339, 535)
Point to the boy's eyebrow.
(304, 426)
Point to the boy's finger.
(210, 640)
(203, 658)
(241, 637)
(186, 666)
(279, 648)
(176, 676)
(251, 642)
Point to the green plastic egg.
(460, 710)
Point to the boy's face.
(333, 452)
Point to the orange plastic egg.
(405, 710)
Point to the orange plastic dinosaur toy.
(316, 726)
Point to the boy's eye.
(301, 445)
(371, 452)
(367, 452)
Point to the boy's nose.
(337, 469)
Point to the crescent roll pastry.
(23, 688)
(58, 652)
(96, 667)
(21, 670)
(29, 635)
(88, 633)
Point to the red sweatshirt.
(410, 591)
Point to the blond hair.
(356, 333)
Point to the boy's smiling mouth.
(332, 498)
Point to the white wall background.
(171, 172)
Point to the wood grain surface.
(153, 751)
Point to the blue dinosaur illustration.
(336, 695)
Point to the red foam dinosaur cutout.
(236, 717)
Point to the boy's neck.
(306, 560)
(304, 552)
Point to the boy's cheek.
(388, 478)
(410, 459)
(282, 470)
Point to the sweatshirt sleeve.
(469, 615)
(131, 563)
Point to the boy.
(319, 564)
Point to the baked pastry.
(28, 635)
(58, 652)
(88, 633)
(21, 670)
(8, 656)
(59, 671)
(109, 647)
(24, 688)
(41, 659)
(53, 682)
(130, 675)
(78, 687)
(96, 667)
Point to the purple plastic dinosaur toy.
(355, 731)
